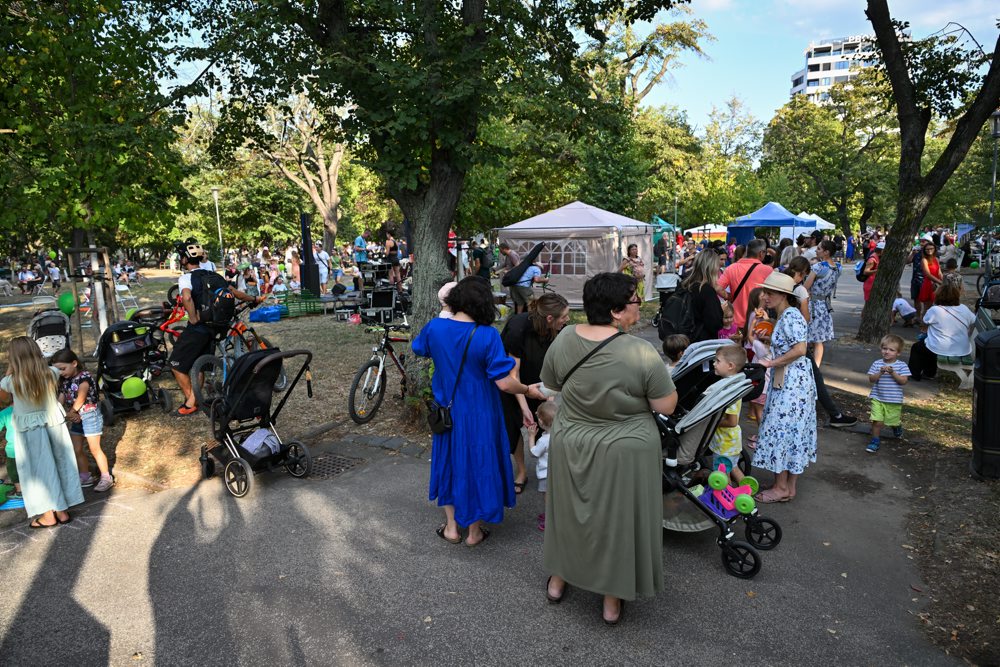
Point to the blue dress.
(470, 464)
(787, 436)
(820, 318)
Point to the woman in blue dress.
(821, 283)
(471, 473)
(786, 442)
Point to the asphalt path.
(348, 571)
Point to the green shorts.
(890, 414)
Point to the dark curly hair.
(606, 293)
(473, 296)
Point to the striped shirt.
(887, 389)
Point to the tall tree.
(930, 76)
(420, 79)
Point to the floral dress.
(787, 436)
(821, 321)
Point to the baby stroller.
(124, 373)
(685, 437)
(50, 329)
(694, 373)
(243, 425)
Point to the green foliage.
(92, 136)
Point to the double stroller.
(685, 436)
(124, 370)
(243, 425)
(50, 329)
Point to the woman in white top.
(949, 325)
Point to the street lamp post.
(218, 224)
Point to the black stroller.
(685, 437)
(124, 371)
(50, 329)
(243, 425)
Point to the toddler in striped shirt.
(887, 376)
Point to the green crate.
(296, 305)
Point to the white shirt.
(184, 282)
(54, 273)
(279, 287)
(208, 265)
(948, 330)
(903, 307)
(810, 254)
(323, 261)
(541, 450)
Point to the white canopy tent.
(581, 241)
(793, 232)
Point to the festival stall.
(581, 241)
(769, 215)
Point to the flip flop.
(763, 497)
(440, 533)
(38, 524)
(185, 411)
(519, 487)
(486, 536)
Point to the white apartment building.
(830, 62)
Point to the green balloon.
(133, 387)
(52, 254)
(281, 267)
(66, 303)
(974, 265)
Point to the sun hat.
(927, 237)
(779, 282)
(880, 245)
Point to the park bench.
(964, 367)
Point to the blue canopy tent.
(769, 215)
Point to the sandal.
(440, 533)
(486, 536)
(752, 442)
(38, 524)
(184, 411)
(519, 487)
(764, 497)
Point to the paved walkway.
(346, 569)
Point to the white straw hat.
(779, 282)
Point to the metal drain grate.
(326, 466)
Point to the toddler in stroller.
(243, 424)
(686, 436)
(124, 371)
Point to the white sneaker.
(106, 483)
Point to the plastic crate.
(295, 305)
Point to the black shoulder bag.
(588, 356)
(439, 416)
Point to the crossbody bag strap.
(588, 356)
(461, 365)
(743, 282)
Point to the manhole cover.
(326, 466)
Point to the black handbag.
(439, 416)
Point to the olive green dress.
(604, 507)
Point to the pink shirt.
(733, 276)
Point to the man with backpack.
(210, 304)
(742, 277)
(482, 260)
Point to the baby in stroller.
(687, 435)
(243, 424)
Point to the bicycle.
(368, 386)
(990, 272)
(210, 370)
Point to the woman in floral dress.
(786, 442)
(821, 283)
(633, 265)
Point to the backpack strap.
(743, 282)
(461, 365)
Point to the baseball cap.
(880, 245)
(927, 237)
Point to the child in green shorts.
(6, 425)
(887, 375)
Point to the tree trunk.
(877, 313)
(330, 221)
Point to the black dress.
(521, 341)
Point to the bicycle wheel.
(172, 293)
(367, 392)
(213, 370)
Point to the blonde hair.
(30, 375)
(546, 414)
(894, 340)
(734, 354)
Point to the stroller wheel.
(207, 465)
(166, 400)
(108, 412)
(298, 460)
(238, 478)
(762, 532)
(740, 559)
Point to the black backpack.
(214, 301)
(488, 259)
(677, 315)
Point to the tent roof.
(770, 215)
(820, 222)
(577, 215)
